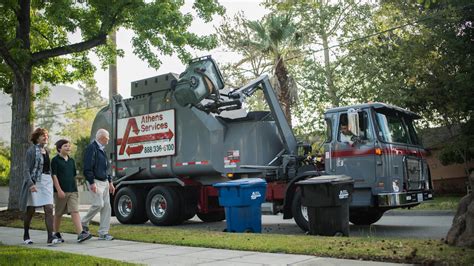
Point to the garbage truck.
(179, 134)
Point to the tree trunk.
(332, 91)
(461, 233)
(21, 129)
(284, 94)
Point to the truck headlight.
(395, 185)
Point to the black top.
(65, 171)
(46, 164)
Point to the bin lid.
(326, 179)
(244, 182)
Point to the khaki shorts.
(67, 205)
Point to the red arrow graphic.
(134, 150)
(158, 136)
(132, 124)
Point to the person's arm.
(29, 165)
(54, 173)
(89, 161)
(89, 164)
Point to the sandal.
(28, 242)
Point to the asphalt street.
(419, 225)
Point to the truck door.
(354, 156)
(329, 161)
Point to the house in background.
(447, 179)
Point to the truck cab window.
(365, 132)
(392, 127)
(328, 130)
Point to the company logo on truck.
(149, 135)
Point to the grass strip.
(442, 203)
(365, 248)
(18, 255)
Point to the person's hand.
(33, 188)
(111, 188)
(61, 194)
(93, 188)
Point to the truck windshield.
(395, 127)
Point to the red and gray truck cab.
(382, 153)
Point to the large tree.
(321, 74)
(266, 44)
(35, 46)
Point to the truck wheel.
(364, 216)
(188, 203)
(300, 212)
(129, 206)
(162, 206)
(212, 216)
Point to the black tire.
(212, 216)
(129, 206)
(300, 213)
(188, 203)
(364, 216)
(162, 206)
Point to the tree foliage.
(35, 47)
(80, 116)
(423, 63)
(265, 45)
(46, 111)
(4, 164)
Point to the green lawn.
(18, 255)
(444, 203)
(366, 248)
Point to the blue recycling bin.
(242, 200)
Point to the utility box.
(162, 82)
(242, 200)
(327, 199)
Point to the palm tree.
(276, 38)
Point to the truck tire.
(162, 206)
(212, 216)
(129, 206)
(188, 203)
(300, 212)
(364, 216)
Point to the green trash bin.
(327, 199)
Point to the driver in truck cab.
(345, 134)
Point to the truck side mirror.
(353, 119)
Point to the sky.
(130, 68)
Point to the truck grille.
(414, 174)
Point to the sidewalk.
(158, 254)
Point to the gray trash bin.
(327, 199)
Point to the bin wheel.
(129, 206)
(162, 206)
(248, 230)
(364, 216)
(212, 216)
(300, 212)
